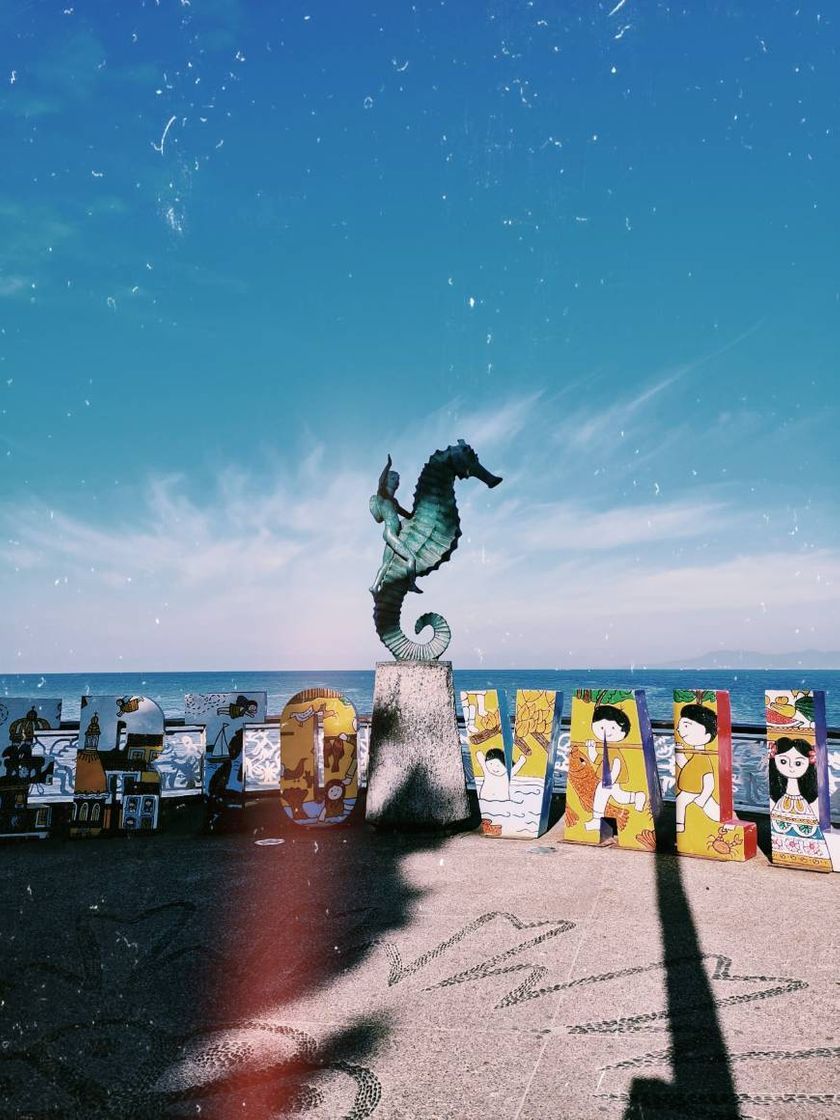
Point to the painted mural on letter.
(513, 774)
(319, 781)
(706, 822)
(56, 782)
(181, 762)
(800, 825)
(613, 785)
(25, 766)
(224, 716)
(261, 755)
(117, 786)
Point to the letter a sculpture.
(417, 543)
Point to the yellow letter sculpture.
(800, 824)
(612, 770)
(319, 783)
(706, 821)
(514, 778)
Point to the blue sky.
(244, 254)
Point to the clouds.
(63, 71)
(174, 580)
(617, 613)
(13, 285)
(271, 569)
(31, 231)
(501, 425)
(178, 541)
(572, 527)
(419, 278)
(595, 424)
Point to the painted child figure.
(495, 781)
(334, 809)
(610, 725)
(696, 778)
(513, 774)
(612, 770)
(484, 717)
(706, 821)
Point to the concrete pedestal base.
(416, 775)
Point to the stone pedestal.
(416, 775)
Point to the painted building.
(91, 803)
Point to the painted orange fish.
(583, 778)
(620, 814)
(647, 838)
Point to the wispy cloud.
(615, 611)
(501, 424)
(571, 526)
(593, 427)
(13, 285)
(273, 570)
(181, 542)
(68, 70)
(29, 233)
(599, 425)
(246, 574)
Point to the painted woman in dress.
(796, 836)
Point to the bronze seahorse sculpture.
(417, 543)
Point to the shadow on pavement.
(148, 977)
(702, 1084)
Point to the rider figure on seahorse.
(418, 544)
(385, 508)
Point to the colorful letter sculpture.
(224, 715)
(319, 784)
(26, 768)
(706, 821)
(800, 825)
(612, 770)
(117, 786)
(514, 775)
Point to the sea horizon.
(168, 688)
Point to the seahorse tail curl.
(386, 615)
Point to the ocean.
(746, 686)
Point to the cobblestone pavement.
(355, 974)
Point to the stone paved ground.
(353, 974)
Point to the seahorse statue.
(419, 544)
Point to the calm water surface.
(746, 686)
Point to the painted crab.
(723, 843)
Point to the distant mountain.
(750, 659)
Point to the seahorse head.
(466, 464)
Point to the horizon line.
(670, 667)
